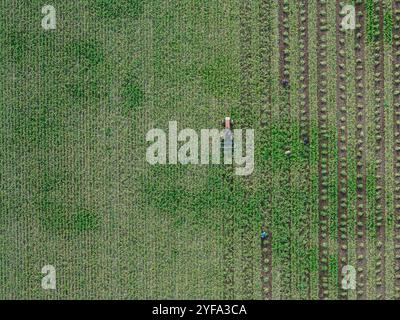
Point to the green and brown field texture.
(76, 191)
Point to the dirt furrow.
(341, 122)
(304, 100)
(396, 133)
(323, 140)
(360, 152)
(265, 131)
(380, 154)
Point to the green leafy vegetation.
(112, 9)
(133, 95)
(388, 26)
(372, 23)
(77, 191)
(219, 75)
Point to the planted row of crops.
(360, 150)
(304, 102)
(341, 105)
(283, 195)
(378, 55)
(246, 120)
(323, 140)
(265, 133)
(396, 151)
(372, 24)
(228, 235)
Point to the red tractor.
(227, 123)
(227, 139)
(227, 136)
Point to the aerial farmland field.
(85, 86)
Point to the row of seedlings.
(304, 101)
(360, 151)
(323, 140)
(378, 55)
(396, 151)
(342, 184)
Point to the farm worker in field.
(263, 234)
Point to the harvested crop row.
(284, 163)
(323, 140)
(304, 101)
(396, 150)
(246, 103)
(380, 153)
(342, 184)
(360, 150)
(265, 128)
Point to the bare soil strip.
(380, 156)
(396, 147)
(246, 102)
(342, 184)
(285, 120)
(304, 100)
(265, 125)
(323, 140)
(361, 238)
